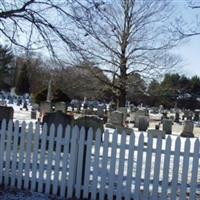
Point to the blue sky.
(190, 53)
(189, 50)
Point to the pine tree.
(23, 84)
(6, 68)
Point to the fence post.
(73, 161)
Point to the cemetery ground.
(25, 115)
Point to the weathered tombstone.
(124, 111)
(188, 129)
(35, 107)
(138, 114)
(19, 101)
(132, 108)
(157, 126)
(3, 103)
(156, 133)
(45, 107)
(177, 117)
(167, 126)
(6, 113)
(190, 115)
(93, 122)
(33, 114)
(196, 115)
(60, 106)
(116, 120)
(100, 111)
(57, 118)
(143, 123)
(25, 105)
(132, 117)
(161, 109)
(10, 100)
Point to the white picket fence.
(111, 165)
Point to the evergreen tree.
(23, 84)
(6, 68)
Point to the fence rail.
(111, 165)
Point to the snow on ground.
(22, 195)
(22, 115)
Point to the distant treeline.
(31, 75)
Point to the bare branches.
(31, 24)
(130, 35)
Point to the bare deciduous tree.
(33, 24)
(189, 27)
(125, 37)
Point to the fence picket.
(21, 156)
(49, 159)
(195, 164)
(9, 134)
(80, 162)
(65, 162)
(35, 157)
(42, 158)
(130, 166)
(28, 156)
(104, 165)
(166, 168)
(87, 164)
(148, 167)
(183, 188)
(14, 154)
(157, 168)
(121, 166)
(96, 164)
(138, 167)
(73, 161)
(112, 165)
(57, 159)
(2, 148)
(175, 168)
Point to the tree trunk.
(123, 82)
(122, 97)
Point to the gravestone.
(167, 126)
(60, 106)
(6, 113)
(132, 117)
(116, 120)
(57, 118)
(143, 123)
(3, 103)
(156, 133)
(188, 129)
(45, 107)
(10, 100)
(25, 106)
(35, 107)
(132, 108)
(196, 115)
(188, 115)
(33, 114)
(124, 111)
(100, 110)
(19, 101)
(177, 117)
(93, 122)
(138, 114)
